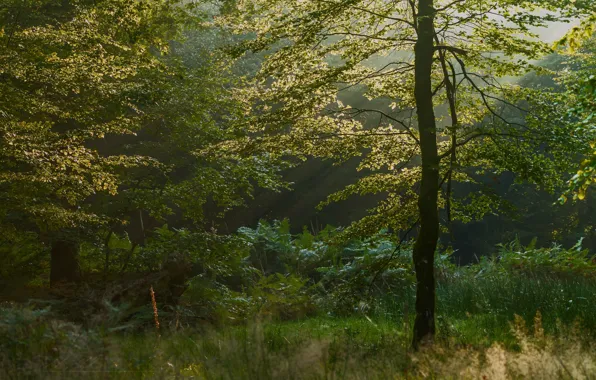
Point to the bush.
(554, 260)
(33, 339)
(282, 296)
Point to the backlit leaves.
(321, 53)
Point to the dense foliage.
(493, 126)
(323, 308)
(417, 57)
(110, 128)
(130, 131)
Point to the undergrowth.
(267, 304)
(314, 348)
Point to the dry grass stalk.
(154, 304)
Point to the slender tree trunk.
(106, 269)
(64, 263)
(450, 90)
(426, 243)
(128, 257)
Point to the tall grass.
(315, 348)
(488, 326)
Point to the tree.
(581, 84)
(447, 117)
(102, 118)
(575, 38)
(68, 78)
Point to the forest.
(297, 189)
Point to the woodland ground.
(498, 326)
(314, 310)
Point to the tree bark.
(450, 90)
(64, 263)
(106, 269)
(426, 242)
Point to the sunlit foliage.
(487, 124)
(103, 115)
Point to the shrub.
(554, 260)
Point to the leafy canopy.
(324, 54)
(102, 113)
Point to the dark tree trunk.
(450, 90)
(426, 243)
(106, 269)
(64, 264)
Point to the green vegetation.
(144, 144)
(316, 307)
(462, 53)
(533, 302)
(315, 349)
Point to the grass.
(487, 327)
(316, 348)
(529, 314)
(488, 303)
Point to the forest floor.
(530, 314)
(358, 347)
